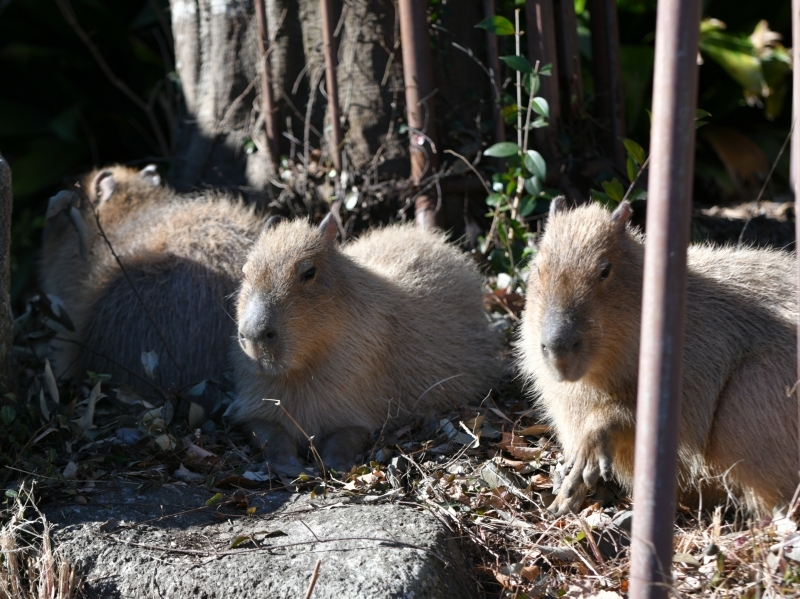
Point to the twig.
(763, 187)
(130, 282)
(69, 16)
(211, 553)
(635, 179)
(517, 35)
(313, 580)
(474, 170)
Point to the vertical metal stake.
(664, 296)
(267, 96)
(795, 160)
(331, 61)
(418, 80)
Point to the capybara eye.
(605, 272)
(308, 274)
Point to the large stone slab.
(164, 542)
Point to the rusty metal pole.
(267, 95)
(664, 296)
(418, 80)
(493, 57)
(795, 160)
(541, 33)
(608, 78)
(331, 61)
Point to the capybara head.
(287, 303)
(584, 291)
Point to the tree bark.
(217, 60)
(6, 335)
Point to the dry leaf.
(536, 429)
(186, 474)
(70, 471)
(86, 421)
(150, 362)
(197, 415)
(50, 381)
(530, 572)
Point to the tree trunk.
(6, 337)
(221, 138)
(217, 59)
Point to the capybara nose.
(257, 324)
(560, 338)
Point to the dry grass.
(29, 567)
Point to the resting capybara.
(580, 350)
(182, 256)
(352, 339)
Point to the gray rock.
(164, 542)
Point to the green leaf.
(546, 69)
(494, 199)
(614, 189)
(701, 114)
(533, 186)
(8, 414)
(632, 168)
(238, 541)
(538, 123)
(215, 499)
(528, 80)
(635, 151)
(541, 107)
(504, 149)
(535, 164)
(527, 206)
(497, 25)
(518, 63)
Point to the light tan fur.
(389, 327)
(183, 255)
(738, 421)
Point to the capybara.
(353, 339)
(580, 351)
(182, 258)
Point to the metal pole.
(419, 102)
(267, 96)
(541, 34)
(494, 64)
(664, 296)
(608, 78)
(331, 60)
(795, 159)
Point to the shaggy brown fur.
(387, 328)
(580, 349)
(183, 255)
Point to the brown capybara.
(182, 256)
(350, 340)
(580, 351)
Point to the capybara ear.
(272, 221)
(150, 174)
(103, 186)
(558, 204)
(622, 215)
(329, 229)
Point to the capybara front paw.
(580, 476)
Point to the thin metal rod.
(493, 61)
(331, 61)
(419, 102)
(267, 95)
(609, 98)
(795, 159)
(664, 296)
(541, 34)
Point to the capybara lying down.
(335, 343)
(580, 352)
(182, 257)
